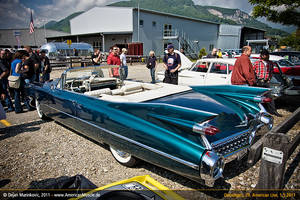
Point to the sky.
(16, 13)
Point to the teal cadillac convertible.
(192, 131)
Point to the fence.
(71, 62)
(275, 148)
(86, 61)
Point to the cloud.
(240, 4)
(17, 15)
(60, 9)
(13, 14)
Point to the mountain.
(62, 25)
(184, 8)
(209, 13)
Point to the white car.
(208, 71)
(217, 71)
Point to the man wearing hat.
(172, 63)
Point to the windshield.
(285, 63)
(200, 66)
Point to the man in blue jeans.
(123, 67)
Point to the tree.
(286, 12)
(202, 53)
(291, 41)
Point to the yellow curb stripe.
(5, 123)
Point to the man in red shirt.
(243, 73)
(114, 59)
(263, 69)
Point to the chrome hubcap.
(122, 154)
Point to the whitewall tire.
(123, 158)
(39, 110)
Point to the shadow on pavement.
(200, 190)
(14, 130)
(4, 182)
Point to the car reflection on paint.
(192, 131)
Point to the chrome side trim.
(206, 142)
(187, 163)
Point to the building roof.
(174, 15)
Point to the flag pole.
(34, 38)
(31, 27)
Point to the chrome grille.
(230, 145)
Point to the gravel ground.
(34, 150)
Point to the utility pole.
(45, 32)
(138, 22)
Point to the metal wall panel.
(229, 36)
(102, 19)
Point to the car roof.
(272, 57)
(220, 60)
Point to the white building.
(104, 27)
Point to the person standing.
(27, 76)
(16, 66)
(96, 57)
(123, 67)
(243, 73)
(75, 52)
(151, 65)
(219, 53)
(114, 59)
(4, 73)
(36, 62)
(172, 63)
(27, 69)
(213, 54)
(2, 97)
(182, 51)
(45, 66)
(263, 69)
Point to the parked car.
(216, 71)
(292, 56)
(191, 131)
(285, 65)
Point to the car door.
(195, 75)
(62, 105)
(218, 74)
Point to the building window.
(141, 22)
(97, 44)
(167, 30)
(154, 23)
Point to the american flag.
(31, 26)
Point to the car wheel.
(39, 110)
(123, 158)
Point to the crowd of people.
(18, 69)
